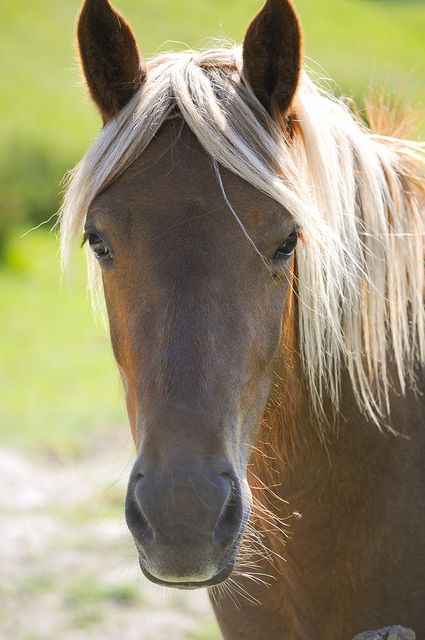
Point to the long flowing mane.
(357, 197)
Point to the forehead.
(175, 176)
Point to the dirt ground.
(68, 568)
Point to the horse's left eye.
(98, 246)
(287, 247)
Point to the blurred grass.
(57, 378)
(58, 383)
(206, 631)
(86, 593)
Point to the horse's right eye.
(97, 244)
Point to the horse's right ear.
(112, 65)
(272, 55)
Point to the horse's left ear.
(111, 61)
(272, 55)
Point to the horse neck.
(301, 454)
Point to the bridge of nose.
(182, 436)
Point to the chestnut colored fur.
(110, 57)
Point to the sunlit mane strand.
(358, 197)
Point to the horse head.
(197, 266)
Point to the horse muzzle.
(187, 522)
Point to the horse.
(260, 246)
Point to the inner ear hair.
(272, 56)
(111, 62)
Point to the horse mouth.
(227, 564)
(220, 577)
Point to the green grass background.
(58, 385)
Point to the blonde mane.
(357, 197)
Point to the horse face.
(196, 276)
(195, 316)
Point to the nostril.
(230, 518)
(134, 513)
